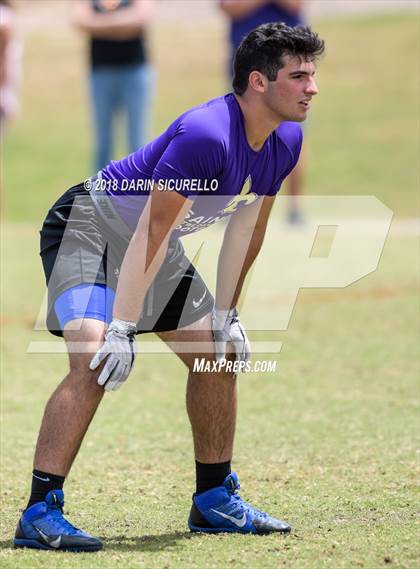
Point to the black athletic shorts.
(78, 246)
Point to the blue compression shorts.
(85, 301)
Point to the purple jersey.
(204, 155)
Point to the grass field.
(329, 441)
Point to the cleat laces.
(244, 505)
(58, 521)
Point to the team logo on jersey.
(192, 222)
(245, 196)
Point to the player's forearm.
(146, 251)
(237, 255)
(140, 266)
(237, 9)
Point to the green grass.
(329, 441)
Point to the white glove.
(120, 349)
(227, 328)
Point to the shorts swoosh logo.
(197, 303)
(55, 542)
(240, 522)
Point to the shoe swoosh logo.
(240, 522)
(56, 542)
(197, 303)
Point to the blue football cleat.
(222, 510)
(43, 526)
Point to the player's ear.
(258, 81)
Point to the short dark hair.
(263, 48)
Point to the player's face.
(289, 96)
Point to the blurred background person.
(121, 76)
(244, 16)
(10, 64)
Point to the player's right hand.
(228, 328)
(119, 351)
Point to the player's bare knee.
(83, 380)
(79, 365)
(83, 339)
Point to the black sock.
(42, 483)
(210, 475)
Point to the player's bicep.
(194, 158)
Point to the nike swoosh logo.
(196, 303)
(43, 479)
(240, 522)
(52, 542)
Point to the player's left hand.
(228, 328)
(119, 350)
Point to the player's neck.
(258, 124)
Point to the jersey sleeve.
(194, 159)
(292, 140)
